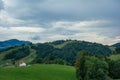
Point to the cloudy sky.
(49, 20)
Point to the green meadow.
(115, 57)
(39, 72)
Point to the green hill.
(12, 56)
(38, 72)
(12, 43)
(57, 52)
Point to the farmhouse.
(22, 63)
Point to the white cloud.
(94, 37)
(57, 37)
(93, 31)
(6, 20)
(36, 34)
(80, 25)
(22, 29)
(27, 29)
(22, 33)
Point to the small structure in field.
(22, 63)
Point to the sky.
(49, 20)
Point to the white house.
(22, 63)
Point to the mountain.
(12, 43)
(57, 52)
(116, 45)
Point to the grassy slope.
(115, 57)
(39, 72)
(2, 54)
(27, 59)
(31, 56)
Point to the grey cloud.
(41, 13)
(35, 37)
(1, 5)
(55, 10)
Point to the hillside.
(39, 72)
(12, 43)
(12, 56)
(57, 52)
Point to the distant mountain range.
(12, 43)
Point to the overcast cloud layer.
(49, 20)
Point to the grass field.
(38, 72)
(115, 57)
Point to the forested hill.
(68, 45)
(12, 43)
(116, 45)
(58, 52)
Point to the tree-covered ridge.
(18, 54)
(49, 53)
